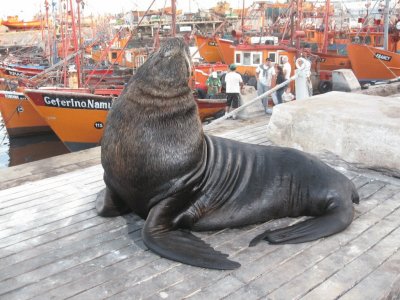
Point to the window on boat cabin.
(367, 40)
(114, 55)
(281, 59)
(378, 41)
(357, 39)
(272, 56)
(256, 59)
(246, 58)
(238, 58)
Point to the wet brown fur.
(155, 115)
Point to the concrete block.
(344, 80)
(248, 94)
(361, 129)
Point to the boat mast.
(75, 40)
(78, 2)
(48, 47)
(242, 28)
(326, 27)
(173, 8)
(262, 9)
(386, 26)
(298, 22)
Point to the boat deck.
(54, 246)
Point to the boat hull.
(210, 108)
(20, 25)
(226, 50)
(331, 62)
(208, 49)
(19, 116)
(373, 64)
(78, 119)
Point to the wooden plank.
(71, 251)
(380, 282)
(358, 269)
(332, 250)
(53, 166)
(317, 277)
(63, 248)
(30, 187)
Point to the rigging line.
(126, 44)
(157, 35)
(290, 8)
(366, 19)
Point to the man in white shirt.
(234, 84)
(265, 80)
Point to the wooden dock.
(54, 246)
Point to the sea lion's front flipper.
(336, 220)
(108, 204)
(180, 245)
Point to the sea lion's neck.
(164, 91)
(178, 105)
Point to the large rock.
(359, 128)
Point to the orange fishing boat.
(373, 64)
(14, 23)
(226, 50)
(208, 48)
(19, 117)
(211, 108)
(21, 70)
(78, 118)
(331, 62)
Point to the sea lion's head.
(166, 71)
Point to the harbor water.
(16, 151)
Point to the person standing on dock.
(265, 78)
(213, 85)
(234, 85)
(280, 78)
(287, 71)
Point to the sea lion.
(159, 164)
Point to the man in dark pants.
(234, 84)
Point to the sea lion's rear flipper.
(336, 220)
(108, 204)
(180, 245)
